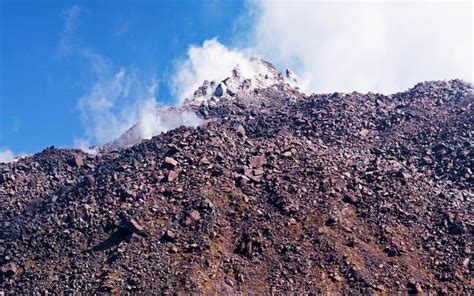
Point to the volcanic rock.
(170, 162)
(9, 269)
(172, 175)
(76, 160)
(240, 131)
(279, 192)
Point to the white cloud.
(113, 104)
(85, 145)
(211, 61)
(384, 47)
(6, 155)
(154, 120)
(71, 23)
(118, 100)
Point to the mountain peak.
(257, 74)
(243, 83)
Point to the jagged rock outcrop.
(279, 193)
(263, 75)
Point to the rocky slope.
(277, 192)
(240, 85)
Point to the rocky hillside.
(278, 192)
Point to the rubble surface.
(278, 192)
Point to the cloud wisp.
(113, 104)
(71, 23)
(118, 98)
(6, 155)
(155, 119)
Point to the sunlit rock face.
(259, 74)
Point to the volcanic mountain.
(274, 192)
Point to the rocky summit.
(276, 192)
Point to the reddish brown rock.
(304, 202)
(172, 175)
(10, 269)
(76, 160)
(257, 161)
(170, 162)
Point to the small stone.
(76, 160)
(257, 161)
(364, 132)
(220, 90)
(127, 193)
(132, 226)
(169, 236)
(10, 269)
(256, 179)
(322, 230)
(188, 221)
(172, 175)
(336, 277)
(331, 220)
(380, 288)
(467, 250)
(136, 226)
(240, 131)
(414, 288)
(465, 262)
(350, 243)
(195, 215)
(204, 161)
(258, 172)
(242, 180)
(170, 162)
(89, 180)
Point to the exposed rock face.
(279, 193)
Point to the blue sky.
(44, 69)
(78, 73)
